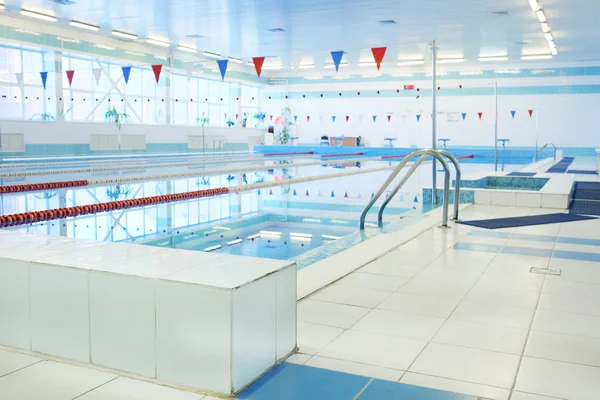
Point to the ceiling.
(313, 28)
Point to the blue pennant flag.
(295, 118)
(295, 194)
(223, 67)
(464, 115)
(337, 59)
(332, 194)
(333, 118)
(513, 113)
(418, 117)
(374, 118)
(44, 78)
(126, 72)
(259, 191)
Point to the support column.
(58, 94)
(496, 126)
(434, 119)
(167, 79)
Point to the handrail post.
(454, 161)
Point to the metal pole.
(537, 124)
(496, 126)
(433, 119)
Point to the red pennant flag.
(271, 192)
(270, 116)
(347, 118)
(157, 68)
(307, 193)
(389, 118)
(258, 64)
(70, 76)
(307, 118)
(480, 114)
(378, 53)
(530, 113)
(346, 195)
(236, 116)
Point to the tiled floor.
(453, 310)
(459, 310)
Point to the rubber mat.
(587, 185)
(562, 166)
(522, 174)
(582, 172)
(499, 223)
(585, 207)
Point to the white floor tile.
(312, 338)
(374, 349)
(560, 347)
(469, 365)
(571, 303)
(529, 396)
(576, 271)
(566, 288)
(446, 284)
(505, 292)
(11, 361)
(354, 368)
(416, 304)
(558, 379)
(373, 281)
(451, 385)
(577, 247)
(494, 314)
(352, 296)
(513, 265)
(416, 257)
(530, 243)
(51, 381)
(298, 358)
(463, 261)
(130, 389)
(570, 324)
(412, 326)
(331, 314)
(482, 336)
(391, 267)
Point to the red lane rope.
(42, 186)
(48, 215)
(288, 154)
(341, 155)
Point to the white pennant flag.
(360, 118)
(189, 68)
(97, 73)
(19, 77)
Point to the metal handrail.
(543, 148)
(454, 161)
(437, 154)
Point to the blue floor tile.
(384, 390)
(574, 240)
(537, 238)
(526, 251)
(492, 234)
(487, 248)
(299, 382)
(577, 255)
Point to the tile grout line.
(99, 386)
(22, 368)
(360, 392)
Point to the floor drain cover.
(545, 271)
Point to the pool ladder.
(422, 154)
(543, 148)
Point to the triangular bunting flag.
(333, 117)
(222, 67)
(347, 118)
(271, 192)
(372, 194)
(403, 117)
(259, 192)
(374, 118)
(97, 74)
(44, 76)
(307, 193)
(237, 116)
(19, 77)
(359, 195)
(416, 200)
(295, 194)
(513, 112)
(378, 54)
(70, 74)
(346, 195)
(189, 69)
(337, 59)
(530, 113)
(271, 117)
(464, 115)
(157, 68)
(126, 72)
(258, 64)
(332, 194)
(389, 118)
(418, 117)
(307, 118)
(480, 114)
(295, 118)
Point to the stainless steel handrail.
(454, 161)
(543, 148)
(437, 154)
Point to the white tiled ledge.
(210, 322)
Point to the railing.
(543, 148)
(439, 155)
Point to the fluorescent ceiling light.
(554, 50)
(541, 16)
(545, 27)
(235, 60)
(211, 55)
(187, 49)
(124, 35)
(302, 235)
(253, 236)
(368, 63)
(450, 60)
(272, 67)
(269, 233)
(43, 17)
(494, 58)
(159, 43)
(538, 57)
(84, 26)
(549, 37)
(552, 44)
(213, 248)
(331, 237)
(535, 6)
(2, 7)
(236, 241)
(307, 66)
(411, 62)
(342, 64)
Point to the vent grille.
(387, 22)
(193, 36)
(500, 13)
(276, 30)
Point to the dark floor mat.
(581, 172)
(585, 207)
(522, 174)
(514, 222)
